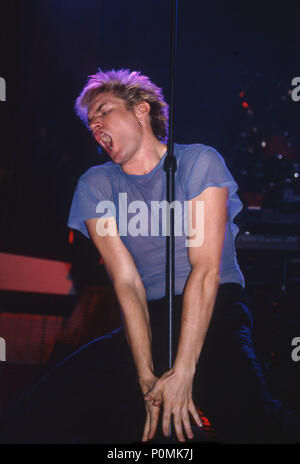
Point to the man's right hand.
(152, 410)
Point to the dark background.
(235, 64)
(49, 47)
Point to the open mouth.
(105, 140)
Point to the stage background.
(236, 62)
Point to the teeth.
(106, 139)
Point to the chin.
(115, 158)
(118, 158)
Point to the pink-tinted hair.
(133, 88)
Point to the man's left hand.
(174, 391)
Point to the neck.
(146, 158)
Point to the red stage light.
(204, 419)
(71, 237)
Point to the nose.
(95, 124)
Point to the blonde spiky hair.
(133, 88)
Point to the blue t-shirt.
(135, 200)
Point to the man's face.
(115, 127)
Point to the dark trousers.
(93, 396)
(229, 384)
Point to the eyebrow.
(99, 108)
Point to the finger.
(154, 392)
(155, 397)
(178, 425)
(146, 428)
(166, 421)
(154, 415)
(195, 414)
(151, 394)
(186, 423)
(158, 400)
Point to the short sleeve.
(88, 203)
(208, 169)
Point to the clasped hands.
(173, 391)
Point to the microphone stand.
(170, 166)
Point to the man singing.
(217, 368)
(100, 392)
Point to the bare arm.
(203, 282)
(174, 388)
(131, 296)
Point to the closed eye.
(99, 110)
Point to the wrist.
(146, 385)
(146, 376)
(184, 368)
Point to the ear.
(142, 110)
